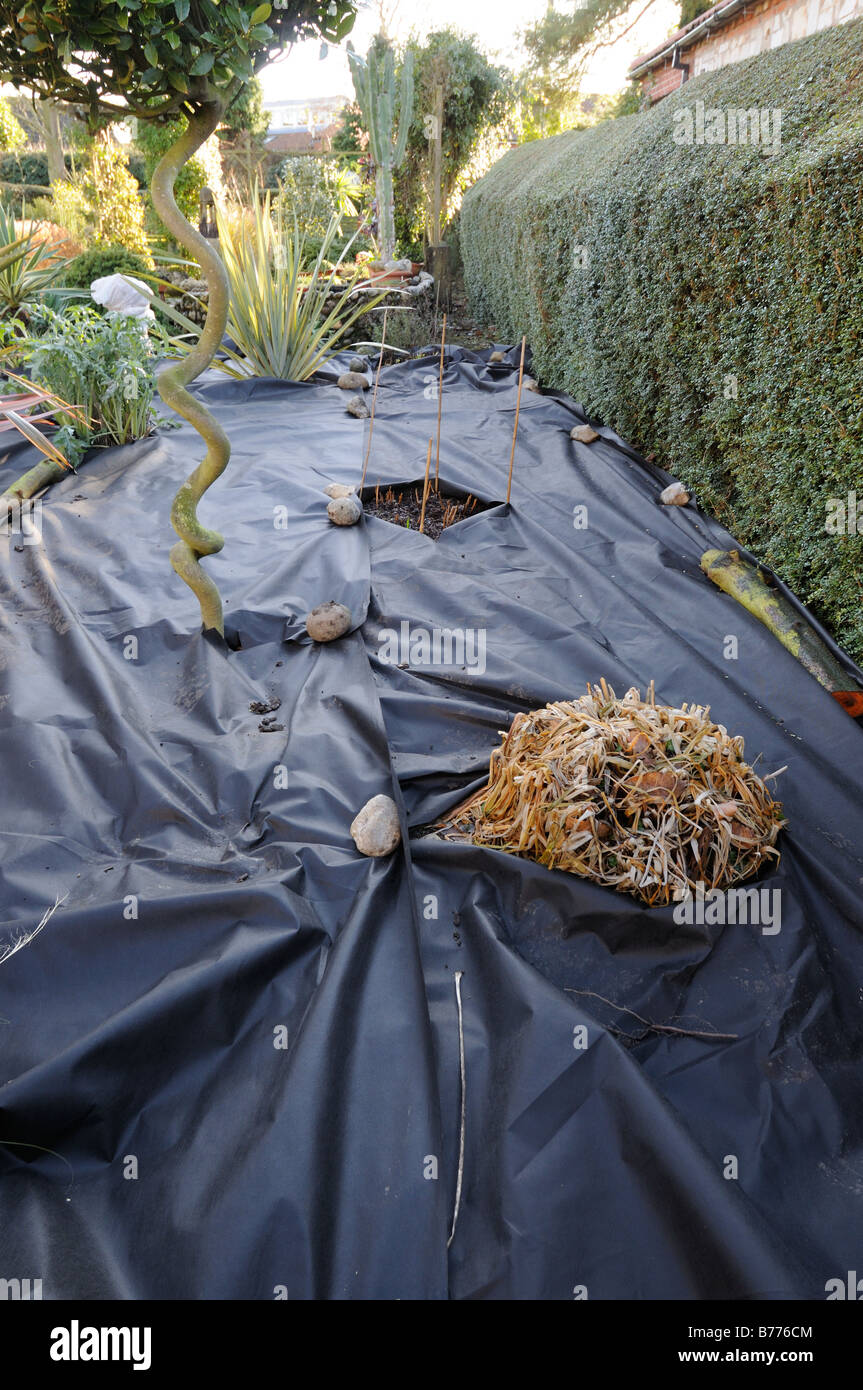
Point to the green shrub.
(312, 189)
(30, 167)
(12, 136)
(715, 316)
(103, 260)
(103, 365)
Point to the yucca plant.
(277, 315)
(28, 268)
(24, 410)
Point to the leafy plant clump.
(706, 299)
(313, 189)
(102, 364)
(104, 260)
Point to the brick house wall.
(758, 26)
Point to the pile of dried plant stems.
(640, 797)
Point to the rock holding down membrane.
(345, 511)
(643, 798)
(352, 381)
(375, 830)
(675, 495)
(328, 621)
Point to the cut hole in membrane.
(401, 505)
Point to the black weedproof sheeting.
(229, 1063)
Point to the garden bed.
(286, 1035)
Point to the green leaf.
(178, 81)
(201, 65)
(151, 53)
(173, 38)
(181, 9)
(260, 14)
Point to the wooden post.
(515, 427)
(438, 253)
(437, 165)
(439, 404)
(375, 397)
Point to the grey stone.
(375, 830)
(352, 381)
(675, 495)
(358, 408)
(328, 621)
(345, 511)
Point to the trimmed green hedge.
(710, 269)
(31, 168)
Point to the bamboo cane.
(425, 488)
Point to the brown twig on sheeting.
(655, 1027)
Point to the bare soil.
(403, 507)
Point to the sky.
(301, 74)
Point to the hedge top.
(811, 82)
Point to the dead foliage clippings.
(643, 798)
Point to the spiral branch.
(195, 540)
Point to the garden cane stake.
(425, 487)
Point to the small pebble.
(584, 434)
(358, 408)
(345, 511)
(496, 357)
(530, 383)
(675, 495)
(328, 621)
(375, 830)
(352, 381)
(357, 365)
(339, 490)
